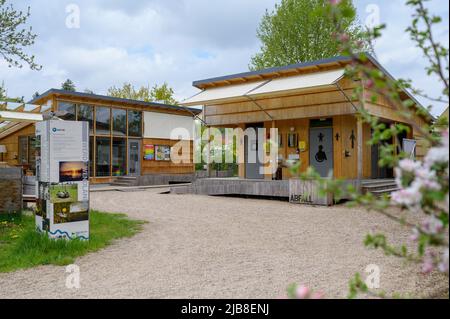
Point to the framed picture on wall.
(149, 152)
(162, 152)
(280, 140)
(292, 140)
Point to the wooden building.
(127, 137)
(312, 106)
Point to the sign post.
(62, 175)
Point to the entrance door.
(254, 152)
(321, 149)
(134, 157)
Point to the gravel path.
(214, 247)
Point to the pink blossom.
(427, 267)
(335, 2)
(302, 292)
(407, 197)
(432, 225)
(408, 165)
(321, 295)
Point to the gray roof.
(115, 99)
(303, 65)
(271, 70)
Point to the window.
(119, 122)
(23, 150)
(119, 153)
(69, 109)
(86, 113)
(102, 120)
(27, 151)
(135, 123)
(103, 148)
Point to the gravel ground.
(215, 247)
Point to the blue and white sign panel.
(62, 172)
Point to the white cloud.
(178, 41)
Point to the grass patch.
(21, 246)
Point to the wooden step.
(384, 191)
(376, 187)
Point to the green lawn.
(22, 247)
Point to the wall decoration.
(162, 153)
(321, 136)
(302, 146)
(337, 137)
(292, 140)
(280, 140)
(149, 152)
(353, 138)
(321, 156)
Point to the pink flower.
(302, 292)
(321, 295)
(432, 225)
(407, 197)
(408, 165)
(427, 267)
(335, 2)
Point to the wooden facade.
(56, 98)
(292, 111)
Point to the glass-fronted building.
(121, 131)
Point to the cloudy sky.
(179, 41)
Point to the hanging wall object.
(353, 138)
(292, 140)
(337, 137)
(321, 136)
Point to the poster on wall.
(149, 152)
(63, 181)
(162, 152)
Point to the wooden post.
(208, 155)
(359, 136)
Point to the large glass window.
(135, 123)
(86, 113)
(69, 109)
(119, 154)
(119, 122)
(102, 120)
(103, 152)
(23, 149)
(27, 151)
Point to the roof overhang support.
(359, 137)
(260, 107)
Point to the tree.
(14, 37)
(4, 95)
(300, 30)
(163, 93)
(68, 85)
